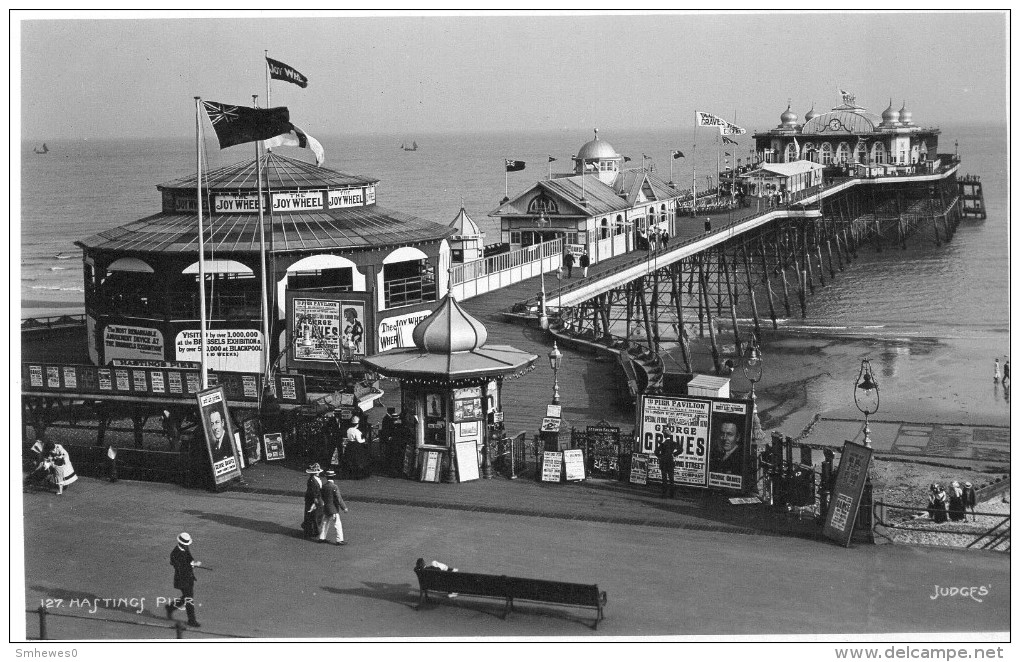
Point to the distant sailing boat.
(44, 150)
(412, 148)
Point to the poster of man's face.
(219, 434)
(728, 444)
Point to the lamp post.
(555, 358)
(866, 396)
(752, 367)
(543, 318)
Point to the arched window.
(619, 224)
(826, 154)
(862, 153)
(791, 153)
(541, 203)
(809, 151)
(878, 152)
(843, 153)
(923, 150)
(605, 228)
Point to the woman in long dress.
(357, 450)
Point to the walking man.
(585, 263)
(708, 224)
(184, 579)
(996, 378)
(667, 464)
(332, 504)
(568, 262)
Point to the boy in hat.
(184, 579)
(332, 503)
(313, 502)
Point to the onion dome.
(449, 329)
(810, 114)
(596, 149)
(788, 118)
(465, 225)
(890, 115)
(906, 117)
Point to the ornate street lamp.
(542, 222)
(555, 358)
(753, 365)
(866, 396)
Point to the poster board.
(219, 435)
(639, 469)
(467, 404)
(336, 327)
(252, 449)
(467, 461)
(409, 453)
(847, 493)
(712, 438)
(553, 411)
(603, 449)
(552, 465)
(573, 461)
(274, 446)
(430, 467)
(550, 424)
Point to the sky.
(109, 75)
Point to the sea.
(952, 296)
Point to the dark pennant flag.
(731, 141)
(280, 71)
(626, 158)
(514, 166)
(235, 125)
(677, 154)
(551, 159)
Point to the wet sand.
(921, 380)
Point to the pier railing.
(473, 278)
(52, 323)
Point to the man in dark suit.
(221, 447)
(667, 464)
(184, 579)
(332, 503)
(313, 502)
(726, 457)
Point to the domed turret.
(906, 117)
(890, 116)
(811, 114)
(788, 118)
(598, 157)
(449, 329)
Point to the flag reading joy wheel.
(280, 71)
(235, 125)
(514, 166)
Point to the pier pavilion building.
(849, 137)
(360, 275)
(600, 206)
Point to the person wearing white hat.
(184, 579)
(313, 502)
(956, 509)
(332, 503)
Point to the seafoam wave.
(58, 268)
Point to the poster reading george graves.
(686, 422)
(328, 329)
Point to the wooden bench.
(510, 589)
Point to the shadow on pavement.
(401, 594)
(260, 526)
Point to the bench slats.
(510, 589)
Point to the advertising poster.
(274, 446)
(131, 342)
(639, 469)
(467, 404)
(729, 456)
(467, 461)
(395, 332)
(552, 465)
(848, 492)
(574, 463)
(686, 421)
(327, 329)
(228, 350)
(219, 434)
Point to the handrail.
(462, 273)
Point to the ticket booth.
(450, 387)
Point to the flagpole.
(269, 93)
(201, 244)
(694, 169)
(262, 253)
(550, 169)
(506, 182)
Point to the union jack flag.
(238, 124)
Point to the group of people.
(53, 468)
(1004, 375)
(951, 504)
(568, 263)
(323, 504)
(648, 240)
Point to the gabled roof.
(633, 180)
(601, 199)
(366, 227)
(279, 172)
